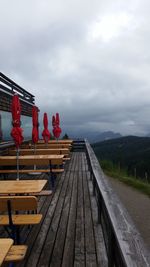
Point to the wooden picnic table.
(41, 151)
(43, 145)
(5, 245)
(66, 141)
(22, 186)
(31, 160)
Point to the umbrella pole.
(46, 144)
(34, 154)
(17, 163)
(34, 167)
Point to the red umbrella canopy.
(16, 111)
(56, 128)
(45, 133)
(16, 131)
(57, 119)
(57, 131)
(35, 134)
(53, 121)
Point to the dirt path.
(137, 205)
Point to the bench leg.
(5, 176)
(52, 177)
(17, 235)
(11, 231)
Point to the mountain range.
(108, 135)
(94, 137)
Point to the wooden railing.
(124, 246)
(7, 89)
(9, 86)
(5, 147)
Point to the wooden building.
(7, 89)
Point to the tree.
(65, 136)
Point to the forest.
(130, 153)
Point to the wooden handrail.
(10, 86)
(123, 242)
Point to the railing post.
(89, 165)
(94, 185)
(99, 206)
(90, 170)
(111, 244)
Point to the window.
(6, 126)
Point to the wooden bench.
(11, 253)
(26, 171)
(47, 146)
(32, 160)
(16, 253)
(29, 160)
(41, 151)
(13, 204)
(43, 193)
(51, 173)
(62, 141)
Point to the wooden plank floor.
(69, 234)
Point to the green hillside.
(131, 153)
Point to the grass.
(122, 176)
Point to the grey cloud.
(96, 85)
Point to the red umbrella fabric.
(57, 119)
(53, 121)
(56, 129)
(16, 131)
(35, 134)
(45, 133)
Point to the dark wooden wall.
(5, 104)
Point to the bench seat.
(32, 170)
(16, 253)
(64, 159)
(42, 193)
(21, 219)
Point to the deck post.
(99, 206)
(111, 244)
(90, 170)
(94, 185)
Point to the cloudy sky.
(89, 60)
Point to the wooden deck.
(69, 234)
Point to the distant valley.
(106, 136)
(94, 137)
(131, 153)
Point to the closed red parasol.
(45, 133)
(16, 131)
(57, 119)
(35, 131)
(56, 127)
(53, 121)
(57, 132)
(35, 134)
